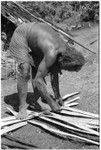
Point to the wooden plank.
(58, 132)
(69, 95)
(70, 101)
(13, 127)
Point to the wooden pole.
(55, 28)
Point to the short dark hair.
(71, 59)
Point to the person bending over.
(41, 48)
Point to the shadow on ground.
(13, 100)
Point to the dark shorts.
(18, 48)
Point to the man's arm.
(55, 85)
(47, 62)
(54, 77)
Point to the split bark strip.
(80, 111)
(12, 138)
(72, 104)
(93, 127)
(12, 111)
(13, 118)
(58, 132)
(29, 112)
(64, 125)
(94, 122)
(69, 95)
(79, 125)
(66, 112)
(8, 118)
(87, 120)
(72, 100)
(10, 122)
(13, 127)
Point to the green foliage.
(55, 11)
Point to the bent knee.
(24, 70)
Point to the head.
(71, 60)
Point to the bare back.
(43, 39)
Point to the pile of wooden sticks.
(69, 123)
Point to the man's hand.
(59, 101)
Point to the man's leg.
(22, 87)
(36, 92)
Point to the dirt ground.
(85, 81)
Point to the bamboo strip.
(72, 104)
(16, 113)
(80, 111)
(93, 127)
(74, 121)
(13, 127)
(12, 111)
(10, 122)
(72, 100)
(58, 132)
(64, 125)
(91, 122)
(94, 122)
(8, 118)
(66, 112)
(11, 118)
(69, 95)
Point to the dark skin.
(45, 45)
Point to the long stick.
(55, 28)
(58, 132)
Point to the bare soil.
(85, 81)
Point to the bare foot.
(22, 114)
